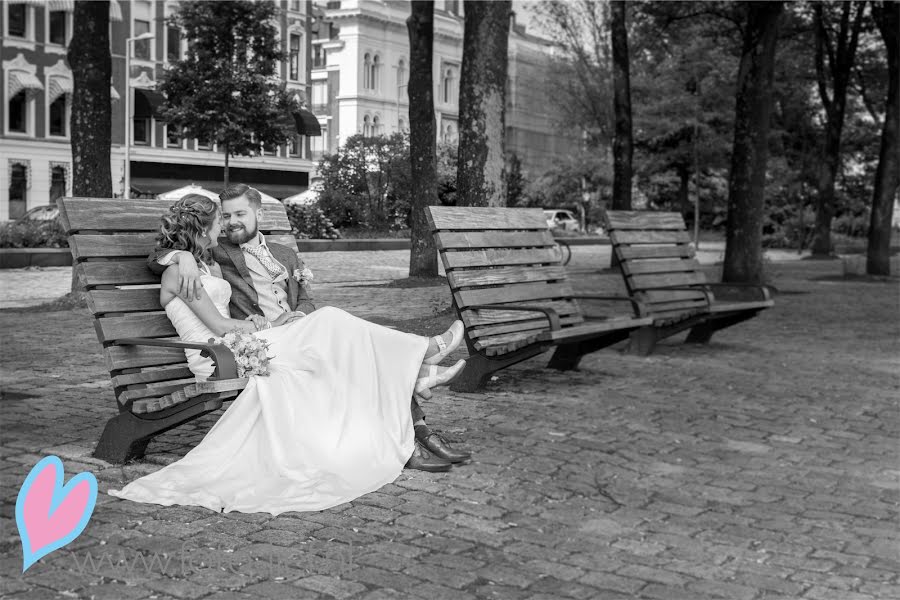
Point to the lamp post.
(128, 43)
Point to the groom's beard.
(240, 234)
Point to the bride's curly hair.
(185, 223)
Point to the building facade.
(36, 99)
(360, 71)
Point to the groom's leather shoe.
(423, 460)
(439, 446)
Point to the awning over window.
(57, 87)
(307, 123)
(23, 80)
(147, 103)
(115, 10)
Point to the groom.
(268, 279)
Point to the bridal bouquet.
(249, 352)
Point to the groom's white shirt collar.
(262, 242)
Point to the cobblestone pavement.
(761, 466)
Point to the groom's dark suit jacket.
(244, 299)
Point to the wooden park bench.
(155, 390)
(510, 290)
(660, 270)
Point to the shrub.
(311, 222)
(32, 234)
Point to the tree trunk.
(481, 171)
(422, 139)
(91, 123)
(840, 61)
(623, 147)
(887, 175)
(753, 105)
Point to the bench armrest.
(639, 307)
(223, 359)
(551, 314)
(568, 250)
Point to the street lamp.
(128, 43)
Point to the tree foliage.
(226, 90)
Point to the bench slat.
(132, 357)
(101, 302)
(476, 318)
(649, 237)
(150, 325)
(640, 282)
(114, 272)
(154, 376)
(641, 267)
(588, 330)
(513, 293)
(657, 296)
(504, 275)
(627, 253)
(503, 344)
(142, 215)
(154, 391)
(500, 257)
(87, 245)
(446, 240)
(642, 219)
(520, 326)
(472, 217)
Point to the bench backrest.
(504, 256)
(110, 240)
(654, 251)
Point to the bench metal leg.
(643, 340)
(567, 356)
(126, 435)
(702, 333)
(479, 368)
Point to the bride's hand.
(288, 317)
(259, 321)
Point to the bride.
(331, 421)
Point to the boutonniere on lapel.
(304, 276)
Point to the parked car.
(45, 212)
(558, 218)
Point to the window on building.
(295, 147)
(173, 137)
(319, 94)
(57, 183)
(295, 5)
(318, 144)
(295, 57)
(319, 56)
(376, 65)
(58, 118)
(203, 144)
(58, 21)
(376, 125)
(173, 44)
(447, 86)
(17, 20)
(452, 6)
(401, 126)
(18, 191)
(142, 13)
(367, 71)
(401, 76)
(18, 113)
(141, 130)
(367, 126)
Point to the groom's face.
(239, 219)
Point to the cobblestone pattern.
(761, 466)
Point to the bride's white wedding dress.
(330, 423)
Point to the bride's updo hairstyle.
(187, 222)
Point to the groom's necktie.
(265, 258)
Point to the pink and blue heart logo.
(49, 514)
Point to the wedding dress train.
(330, 423)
